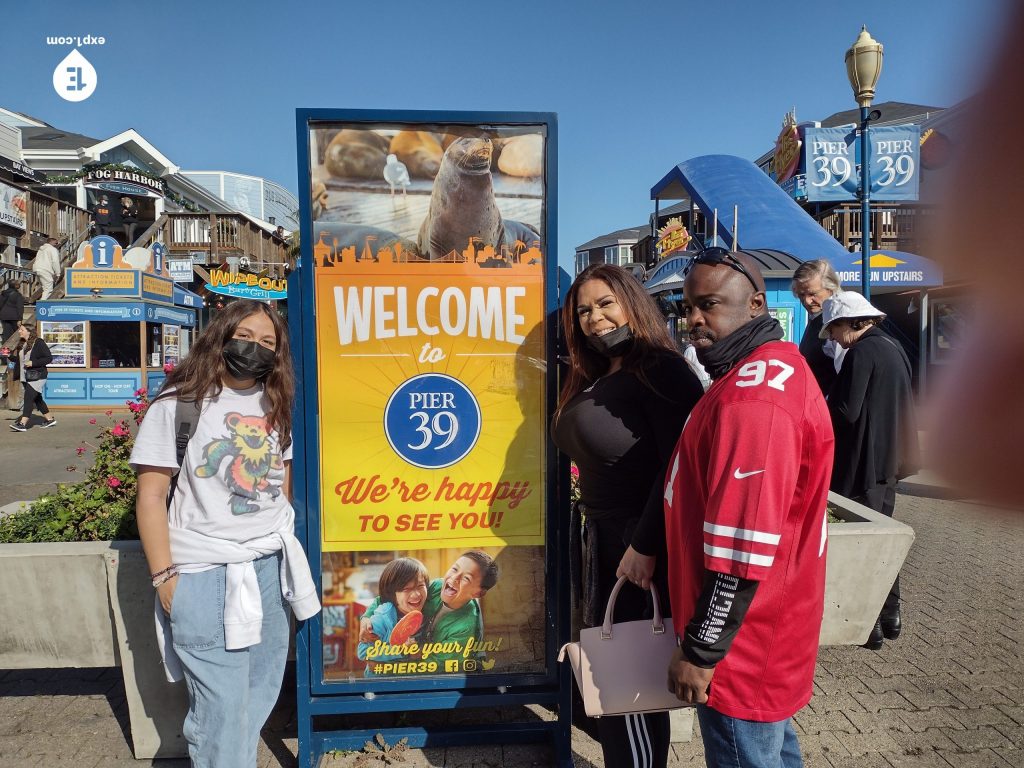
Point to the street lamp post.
(863, 66)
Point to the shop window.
(618, 254)
(114, 345)
(950, 318)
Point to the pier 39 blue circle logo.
(432, 420)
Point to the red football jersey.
(745, 495)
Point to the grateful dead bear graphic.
(252, 458)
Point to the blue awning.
(889, 269)
(768, 217)
(183, 297)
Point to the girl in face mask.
(223, 556)
(626, 397)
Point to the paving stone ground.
(948, 694)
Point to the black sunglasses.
(715, 256)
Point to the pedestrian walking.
(33, 357)
(224, 558)
(101, 215)
(12, 311)
(872, 407)
(627, 393)
(47, 266)
(129, 217)
(813, 283)
(745, 523)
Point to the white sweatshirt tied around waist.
(243, 608)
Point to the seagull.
(395, 173)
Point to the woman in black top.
(129, 217)
(872, 411)
(626, 397)
(34, 356)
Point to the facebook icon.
(74, 79)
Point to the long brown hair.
(33, 336)
(650, 335)
(201, 373)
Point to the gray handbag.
(622, 669)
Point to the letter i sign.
(104, 250)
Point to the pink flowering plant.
(574, 482)
(101, 506)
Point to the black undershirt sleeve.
(719, 612)
(675, 390)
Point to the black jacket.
(813, 350)
(40, 357)
(12, 306)
(872, 409)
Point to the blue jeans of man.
(230, 693)
(733, 743)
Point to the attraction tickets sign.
(428, 256)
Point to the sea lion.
(496, 145)
(523, 156)
(462, 205)
(319, 197)
(419, 151)
(356, 154)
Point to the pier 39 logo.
(432, 420)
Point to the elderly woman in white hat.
(873, 418)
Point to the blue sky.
(638, 86)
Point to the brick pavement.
(949, 693)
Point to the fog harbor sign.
(124, 182)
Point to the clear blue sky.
(638, 86)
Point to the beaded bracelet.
(165, 575)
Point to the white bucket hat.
(845, 305)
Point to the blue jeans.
(733, 743)
(230, 693)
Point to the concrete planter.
(865, 554)
(89, 604)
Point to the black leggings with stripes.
(632, 741)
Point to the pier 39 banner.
(429, 252)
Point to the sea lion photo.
(523, 156)
(356, 154)
(419, 151)
(462, 204)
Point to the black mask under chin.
(248, 359)
(613, 344)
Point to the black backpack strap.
(186, 419)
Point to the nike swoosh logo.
(740, 475)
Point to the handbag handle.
(657, 624)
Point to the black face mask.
(247, 359)
(613, 344)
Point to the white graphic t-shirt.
(230, 486)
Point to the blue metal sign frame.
(315, 697)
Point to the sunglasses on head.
(713, 257)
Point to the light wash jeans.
(733, 743)
(230, 693)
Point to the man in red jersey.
(745, 521)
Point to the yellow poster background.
(372, 498)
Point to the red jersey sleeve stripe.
(745, 534)
(747, 558)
